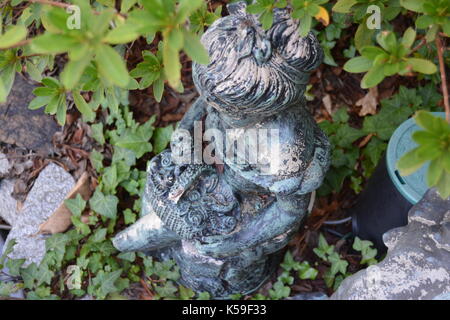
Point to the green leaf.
(122, 34)
(443, 185)
(279, 291)
(3, 93)
(127, 256)
(136, 141)
(305, 25)
(161, 138)
(106, 282)
(358, 64)
(363, 36)
(413, 5)
(29, 274)
(344, 6)
(83, 107)
(408, 37)
(14, 266)
(337, 264)
(76, 205)
(12, 36)
(373, 77)
(266, 20)
(186, 293)
(99, 235)
(166, 290)
(158, 89)
(106, 205)
(195, 49)
(126, 5)
(73, 71)
(96, 160)
(422, 65)
(111, 66)
(39, 102)
(97, 133)
(410, 163)
(53, 43)
(172, 66)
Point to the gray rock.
(31, 129)
(2, 242)
(49, 190)
(417, 265)
(309, 296)
(8, 205)
(4, 164)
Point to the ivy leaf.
(186, 293)
(137, 140)
(97, 133)
(167, 290)
(279, 291)
(161, 138)
(14, 266)
(337, 264)
(106, 205)
(29, 274)
(105, 282)
(96, 160)
(76, 205)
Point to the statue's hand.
(219, 246)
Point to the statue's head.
(254, 71)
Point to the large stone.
(8, 205)
(417, 265)
(48, 192)
(31, 129)
(4, 164)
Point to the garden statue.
(226, 221)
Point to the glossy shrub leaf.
(195, 49)
(373, 77)
(83, 107)
(12, 36)
(111, 65)
(422, 65)
(344, 6)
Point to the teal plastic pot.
(385, 202)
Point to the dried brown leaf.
(369, 102)
(60, 220)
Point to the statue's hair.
(252, 71)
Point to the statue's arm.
(271, 229)
(195, 113)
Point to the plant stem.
(52, 3)
(440, 51)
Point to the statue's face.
(255, 71)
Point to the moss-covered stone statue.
(226, 223)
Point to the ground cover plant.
(116, 74)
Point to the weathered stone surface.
(8, 204)
(31, 129)
(417, 265)
(4, 164)
(49, 190)
(2, 242)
